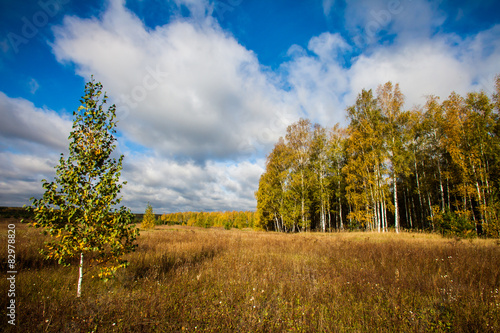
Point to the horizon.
(204, 89)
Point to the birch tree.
(78, 207)
(149, 220)
(435, 163)
(336, 156)
(364, 170)
(320, 167)
(272, 188)
(298, 139)
(396, 132)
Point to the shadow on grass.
(156, 266)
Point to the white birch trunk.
(340, 206)
(378, 211)
(302, 197)
(80, 277)
(396, 208)
(441, 186)
(340, 215)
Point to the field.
(186, 279)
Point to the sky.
(204, 88)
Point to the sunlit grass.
(216, 280)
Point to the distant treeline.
(227, 220)
(430, 168)
(15, 212)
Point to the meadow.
(190, 279)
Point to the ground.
(215, 280)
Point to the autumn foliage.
(434, 167)
(228, 219)
(149, 219)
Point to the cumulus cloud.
(21, 175)
(186, 89)
(437, 66)
(189, 92)
(34, 138)
(202, 104)
(31, 141)
(319, 80)
(172, 186)
(427, 63)
(25, 127)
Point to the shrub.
(456, 223)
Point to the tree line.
(228, 219)
(435, 167)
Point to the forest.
(434, 167)
(228, 219)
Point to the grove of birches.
(434, 167)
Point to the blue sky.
(205, 88)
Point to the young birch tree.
(78, 207)
(149, 220)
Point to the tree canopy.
(434, 167)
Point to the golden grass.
(215, 280)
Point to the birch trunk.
(441, 185)
(302, 197)
(396, 208)
(340, 215)
(80, 277)
(340, 207)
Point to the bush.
(456, 223)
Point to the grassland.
(186, 279)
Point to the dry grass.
(215, 280)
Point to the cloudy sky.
(204, 88)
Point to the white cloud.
(24, 166)
(193, 95)
(329, 47)
(422, 65)
(368, 21)
(25, 127)
(186, 89)
(21, 175)
(434, 66)
(31, 141)
(201, 103)
(172, 186)
(421, 69)
(318, 84)
(34, 138)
